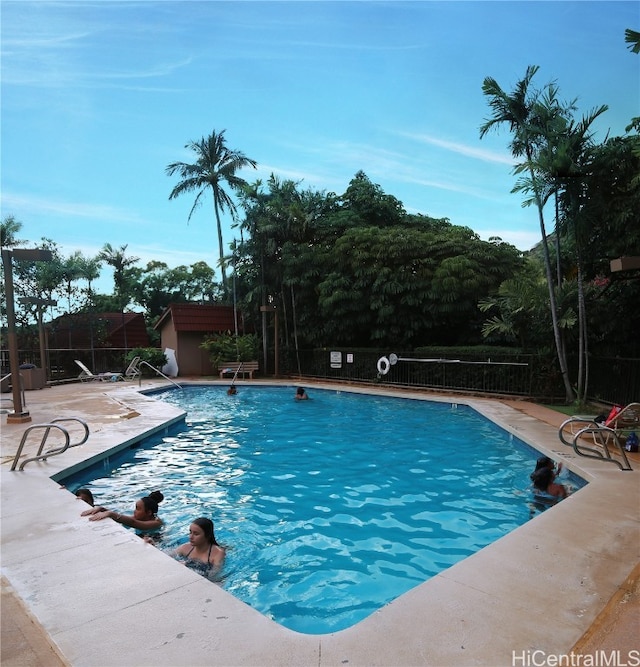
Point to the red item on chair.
(613, 414)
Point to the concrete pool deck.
(103, 597)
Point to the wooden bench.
(245, 367)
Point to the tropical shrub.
(152, 355)
(228, 347)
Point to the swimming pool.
(332, 507)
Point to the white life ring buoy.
(383, 365)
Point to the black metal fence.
(60, 365)
(507, 375)
(614, 380)
(535, 376)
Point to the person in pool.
(86, 495)
(232, 391)
(201, 553)
(301, 394)
(544, 482)
(144, 516)
(546, 462)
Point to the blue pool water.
(331, 507)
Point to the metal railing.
(601, 436)
(496, 375)
(54, 424)
(159, 372)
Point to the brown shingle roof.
(195, 317)
(100, 329)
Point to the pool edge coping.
(368, 642)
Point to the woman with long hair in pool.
(546, 462)
(545, 486)
(144, 516)
(202, 553)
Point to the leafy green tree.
(404, 286)
(608, 215)
(123, 282)
(340, 274)
(518, 111)
(71, 269)
(281, 222)
(561, 164)
(228, 347)
(157, 286)
(215, 165)
(519, 312)
(9, 229)
(151, 355)
(370, 205)
(89, 270)
(40, 280)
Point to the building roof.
(196, 317)
(127, 330)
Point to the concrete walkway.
(616, 627)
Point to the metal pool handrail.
(600, 434)
(56, 450)
(159, 372)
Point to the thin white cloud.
(13, 44)
(396, 166)
(305, 178)
(338, 161)
(72, 77)
(28, 204)
(461, 149)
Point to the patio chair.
(614, 428)
(86, 375)
(133, 371)
(625, 420)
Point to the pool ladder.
(601, 435)
(54, 424)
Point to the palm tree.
(632, 38)
(120, 262)
(569, 166)
(561, 164)
(518, 111)
(9, 228)
(215, 165)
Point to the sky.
(97, 98)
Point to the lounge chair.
(133, 371)
(614, 430)
(86, 375)
(625, 420)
